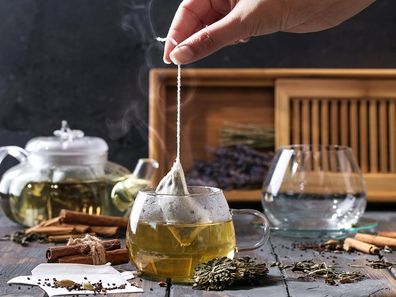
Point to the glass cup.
(168, 236)
(314, 187)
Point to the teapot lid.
(68, 143)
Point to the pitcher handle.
(17, 152)
(262, 223)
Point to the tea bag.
(177, 205)
(174, 183)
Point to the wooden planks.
(18, 260)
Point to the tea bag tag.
(174, 183)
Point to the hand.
(202, 27)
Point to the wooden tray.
(211, 97)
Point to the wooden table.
(16, 260)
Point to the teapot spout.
(145, 168)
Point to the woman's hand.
(202, 27)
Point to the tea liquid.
(173, 250)
(40, 201)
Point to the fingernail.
(181, 55)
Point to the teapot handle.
(17, 152)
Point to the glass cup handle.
(263, 224)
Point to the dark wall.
(87, 61)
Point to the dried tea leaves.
(221, 273)
(327, 272)
(20, 237)
(380, 264)
(329, 245)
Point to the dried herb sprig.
(249, 134)
(322, 270)
(221, 273)
(379, 264)
(24, 239)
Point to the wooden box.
(211, 97)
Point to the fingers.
(191, 16)
(208, 40)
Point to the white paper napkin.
(44, 274)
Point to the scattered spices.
(88, 286)
(330, 245)
(221, 273)
(64, 283)
(70, 285)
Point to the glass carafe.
(314, 188)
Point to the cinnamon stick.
(75, 217)
(65, 238)
(115, 257)
(376, 240)
(105, 231)
(55, 230)
(50, 222)
(391, 234)
(350, 243)
(56, 252)
(59, 229)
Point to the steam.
(137, 22)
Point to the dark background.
(87, 61)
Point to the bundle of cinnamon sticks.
(73, 224)
(81, 253)
(369, 243)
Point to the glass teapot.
(68, 170)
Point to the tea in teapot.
(68, 170)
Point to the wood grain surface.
(16, 260)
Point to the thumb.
(226, 31)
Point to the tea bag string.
(164, 39)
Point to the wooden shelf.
(212, 96)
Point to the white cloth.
(77, 273)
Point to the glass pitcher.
(169, 235)
(314, 188)
(67, 170)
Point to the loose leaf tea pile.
(327, 272)
(221, 273)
